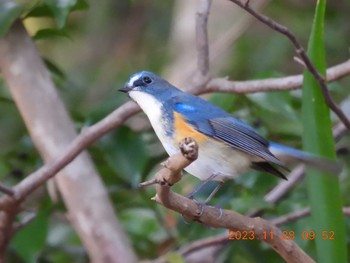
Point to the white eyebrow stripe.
(133, 79)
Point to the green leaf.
(126, 154)
(40, 11)
(61, 10)
(30, 240)
(174, 257)
(48, 33)
(225, 101)
(323, 190)
(9, 12)
(279, 102)
(54, 68)
(81, 5)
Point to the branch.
(85, 138)
(212, 217)
(6, 189)
(24, 221)
(233, 221)
(301, 52)
(272, 84)
(294, 216)
(284, 187)
(202, 36)
(291, 217)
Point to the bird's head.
(147, 83)
(150, 92)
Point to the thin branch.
(291, 217)
(294, 216)
(202, 36)
(85, 138)
(25, 221)
(284, 187)
(339, 131)
(6, 189)
(301, 52)
(346, 211)
(204, 243)
(296, 175)
(272, 84)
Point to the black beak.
(126, 88)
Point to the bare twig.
(204, 243)
(291, 217)
(301, 52)
(346, 211)
(285, 219)
(85, 138)
(284, 187)
(202, 36)
(25, 221)
(338, 131)
(5, 189)
(297, 174)
(272, 84)
(149, 182)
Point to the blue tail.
(322, 164)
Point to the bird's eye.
(147, 80)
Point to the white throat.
(150, 105)
(153, 109)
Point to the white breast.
(152, 108)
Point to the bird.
(227, 146)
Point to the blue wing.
(218, 124)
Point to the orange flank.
(182, 130)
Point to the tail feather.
(322, 164)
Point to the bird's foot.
(201, 206)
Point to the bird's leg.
(201, 205)
(211, 196)
(200, 186)
(213, 192)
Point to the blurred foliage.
(91, 51)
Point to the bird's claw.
(201, 207)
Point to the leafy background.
(92, 49)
